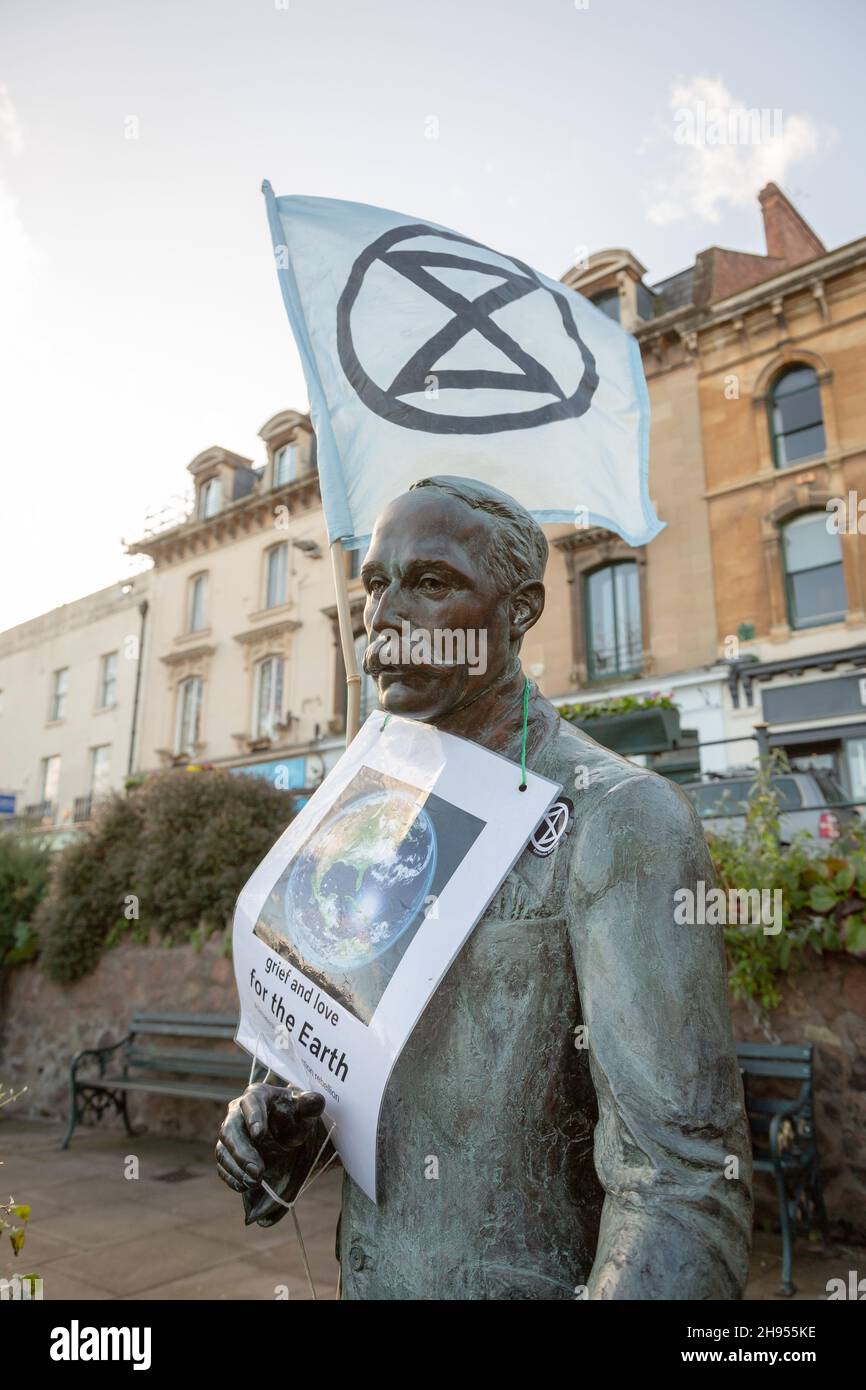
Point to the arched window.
(268, 709)
(285, 464)
(276, 575)
(796, 420)
(813, 571)
(196, 618)
(189, 698)
(209, 498)
(614, 642)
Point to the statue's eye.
(431, 584)
(375, 585)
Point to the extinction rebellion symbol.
(553, 828)
(510, 283)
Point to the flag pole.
(347, 641)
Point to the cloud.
(10, 127)
(722, 152)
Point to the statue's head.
(454, 580)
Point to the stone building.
(244, 668)
(70, 692)
(754, 366)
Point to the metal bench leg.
(74, 1117)
(788, 1286)
(125, 1113)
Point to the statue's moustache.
(374, 665)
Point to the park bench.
(162, 1054)
(784, 1142)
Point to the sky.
(140, 317)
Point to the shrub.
(203, 834)
(24, 868)
(91, 878)
(823, 898)
(169, 859)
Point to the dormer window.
(608, 303)
(209, 498)
(285, 465)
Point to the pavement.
(172, 1230)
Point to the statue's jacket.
(566, 1121)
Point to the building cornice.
(195, 536)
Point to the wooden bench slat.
(794, 1071)
(230, 1020)
(166, 1088)
(782, 1052)
(219, 1031)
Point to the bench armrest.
(798, 1109)
(100, 1054)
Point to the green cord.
(522, 787)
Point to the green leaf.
(855, 935)
(22, 1212)
(16, 1235)
(822, 898)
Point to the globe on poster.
(361, 880)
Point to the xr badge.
(553, 828)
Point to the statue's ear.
(527, 606)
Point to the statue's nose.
(390, 610)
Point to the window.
(197, 612)
(353, 560)
(614, 640)
(813, 572)
(189, 715)
(285, 464)
(268, 697)
(50, 779)
(100, 770)
(369, 689)
(59, 689)
(608, 303)
(108, 681)
(796, 420)
(209, 498)
(276, 573)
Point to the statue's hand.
(258, 1141)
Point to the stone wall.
(43, 1025)
(825, 1004)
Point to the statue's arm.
(661, 1052)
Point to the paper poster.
(348, 925)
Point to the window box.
(638, 731)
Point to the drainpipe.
(142, 608)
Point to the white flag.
(427, 353)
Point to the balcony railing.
(82, 809)
(41, 811)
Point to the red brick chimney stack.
(789, 238)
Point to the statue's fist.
(260, 1131)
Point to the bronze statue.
(618, 1169)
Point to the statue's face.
(425, 575)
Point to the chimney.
(789, 238)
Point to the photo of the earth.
(347, 906)
(359, 883)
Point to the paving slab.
(95, 1234)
